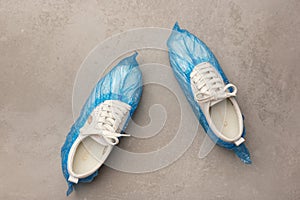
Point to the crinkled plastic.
(124, 83)
(185, 52)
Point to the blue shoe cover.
(124, 83)
(185, 52)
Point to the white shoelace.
(209, 85)
(106, 119)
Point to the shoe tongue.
(219, 96)
(214, 102)
(99, 139)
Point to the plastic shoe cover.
(123, 83)
(185, 52)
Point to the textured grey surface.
(43, 43)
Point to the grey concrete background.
(43, 43)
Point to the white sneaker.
(217, 103)
(97, 138)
